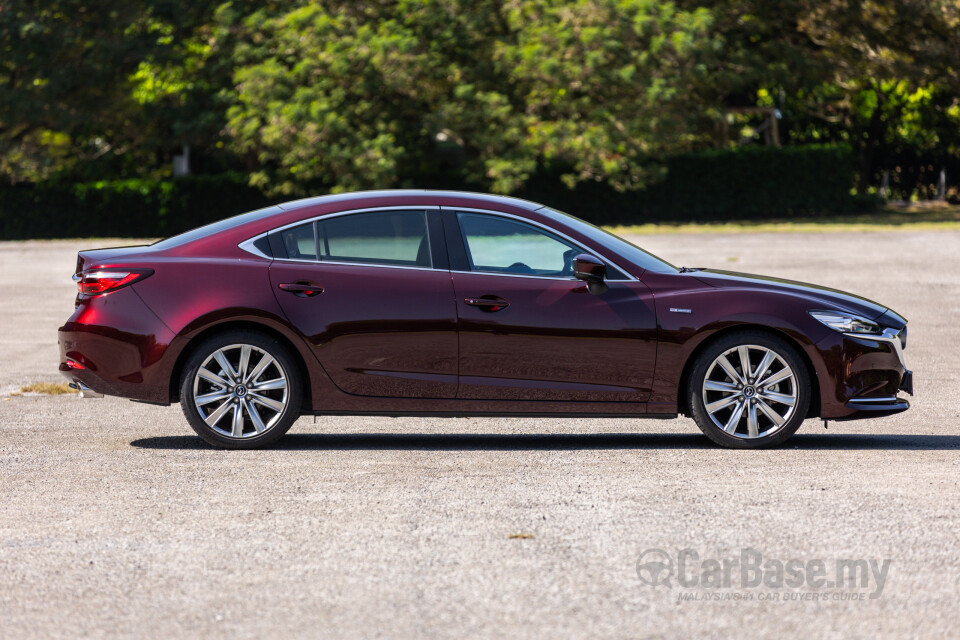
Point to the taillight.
(95, 283)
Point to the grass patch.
(890, 218)
(520, 536)
(46, 388)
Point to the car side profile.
(433, 303)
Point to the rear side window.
(377, 237)
(300, 242)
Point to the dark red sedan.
(436, 303)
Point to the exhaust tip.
(84, 390)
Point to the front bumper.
(868, 372)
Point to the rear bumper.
(120, 345)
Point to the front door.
(374, 301)
(530, 331)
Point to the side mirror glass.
(591, 271)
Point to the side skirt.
(492, 414)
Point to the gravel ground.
(115, 521)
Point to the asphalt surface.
(116, 521)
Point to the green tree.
(81, 82)
(355, 98)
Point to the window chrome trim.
(247, 245)
(552, 231)
(522, 275)
(361, 264)
(337, 214)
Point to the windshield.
(643, 259)
(215, 227)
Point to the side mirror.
(591, 271)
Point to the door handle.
(301, 289)
(488, 303)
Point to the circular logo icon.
(240, 390)
(654, 567)
(749, 391)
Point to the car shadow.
(560, 442)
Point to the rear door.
(371, 292)
(530, 331)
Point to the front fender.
(690, 315)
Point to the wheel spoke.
(774, 378)
(744, 352)
(730, 371)
(221, 399)
(270, 385)
(768, 359)
(244, 362)
(734, 420)
(225, 365)
(736, 401)
(217, 413)
(211, 397)
(210, 376)
(724, 387)
(255, 416)
(770, 413)
(237, 431)
(267, 402)
(781, 398)
(265, 362)
(713, 407)
(752, 429)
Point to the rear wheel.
(749, 390)
(241, 390)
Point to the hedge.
(751, 183)
(123, 208)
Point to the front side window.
(500, 245)
(377, 237)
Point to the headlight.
(846, 322)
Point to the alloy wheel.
(240, 391)
(750, 391)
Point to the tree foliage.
(337, 95)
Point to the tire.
(268, 394)
(717, 390)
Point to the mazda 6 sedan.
(430, 303)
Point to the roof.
(394, 193)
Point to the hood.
(820, 297)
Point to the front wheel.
(749, 390)
(241, 390)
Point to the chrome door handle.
(302, 289)
(488, 303)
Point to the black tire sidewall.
(272, 346)
(785, 350)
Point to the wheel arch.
(683, 396)
(235, 325)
